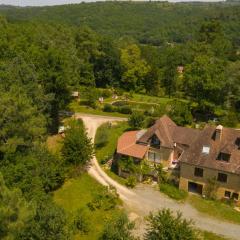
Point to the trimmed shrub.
(102, 135)
(108, 108)
(121, 103)
(124, 110)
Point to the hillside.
(151, 22)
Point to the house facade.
(214, 155)
(163, 143)
(211, 154)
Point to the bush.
(131, 181)
(149, 121)
(121, 103)
(108, 108)
(91, 97)
(124, 109)
(102, 135)
(181, 112)
(230, 119)
(165, 225)
(119, 91)
(172, 191)
(81, 222)
(106, 93)
(136, 120)
(162, 174)
(118, 229)
(106, 200)
(211, 188)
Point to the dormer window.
(238, 142)
(223, 157)
(205, 149)
(155, 141)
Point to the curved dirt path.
(144, 199)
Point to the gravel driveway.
(144, 198)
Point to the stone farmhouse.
(199, 155)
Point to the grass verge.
(211, 236)
(105, 152)
(113, 133)
(173, 192)
(215, 209)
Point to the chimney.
(218, 132)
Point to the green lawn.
(215, 209)
(113, 134)
(115, 177)
(75, 107)
(137, 102)
(75, 194)
(107, 151)
(173, 192)
(150, 99)
(211, 236)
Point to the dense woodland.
(45, 53)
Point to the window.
(222, 177)
(235, 196)
(227, 194)
(155, 157)
(238, 142)
(198, 172)
(223, 157)
(206, 150)
(151, 156)
(155, 141)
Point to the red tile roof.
(127, 145)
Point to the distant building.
(180, 69)
(75, 94)
(101, 99)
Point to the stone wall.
(187, 174)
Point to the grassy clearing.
(173, 192)
(76, 194)
(215, 209)
(105, 152)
